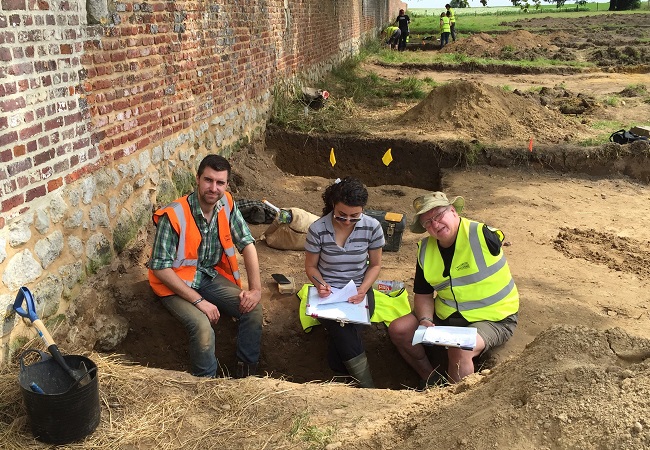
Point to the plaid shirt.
(166, 240)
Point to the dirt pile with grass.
(572, 387)
(484, 112)
(485, 45)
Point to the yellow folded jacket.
(387, 308)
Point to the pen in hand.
(327, 289)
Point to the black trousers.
(402, 40)
(345, 341)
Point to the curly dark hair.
(349, 191)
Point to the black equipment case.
(393, 225)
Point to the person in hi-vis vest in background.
(462, 279)
(193, 269)
(452, 21)
(444, 29)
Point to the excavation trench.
(156, 339)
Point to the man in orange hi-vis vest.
(193, 269)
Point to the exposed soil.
(610, 41)
(575, 375)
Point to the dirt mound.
(484, 45)
(573, 387)
(562, 100)
(486, 111)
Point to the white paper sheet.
(339, 295)
(462, 337)
(342, 311)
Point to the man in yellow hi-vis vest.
(193, 269)
(462, 279)
(452, 21)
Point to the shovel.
(79, 375)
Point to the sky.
(440, 4)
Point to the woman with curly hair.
(343, 245)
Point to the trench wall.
(107, 106)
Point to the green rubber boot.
(359, 369)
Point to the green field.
(475, 20)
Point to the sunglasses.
(348, 219)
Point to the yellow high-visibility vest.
(479, 285)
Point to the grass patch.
(350, 89)
(314, 438)
(487, 20)
(420, 57)
(612, 100)
(612, 125)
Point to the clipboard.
(446, 336)
(343, 312)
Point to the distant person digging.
(393, 34)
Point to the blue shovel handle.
(26, 296)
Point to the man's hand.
(248, 300)
(209, 310)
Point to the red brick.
(19, 166)
(53, 185)
(6, 139)
(23, 181)
(5, 54)
(12, 104)
(29, 132)
(19, 150)
(12, 202)
(43, 141)
(23, 85)
(71, 118)
(9, 186)
(43, 157)
(13, 5)
(53, 124)
(61, 166)
(37, 192)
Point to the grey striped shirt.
(340, 265)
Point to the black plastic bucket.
(66, 411)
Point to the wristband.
(426, 318)
(197, 301)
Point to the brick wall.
(102, 104)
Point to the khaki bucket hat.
(427, 202)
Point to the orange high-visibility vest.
(189, 239)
